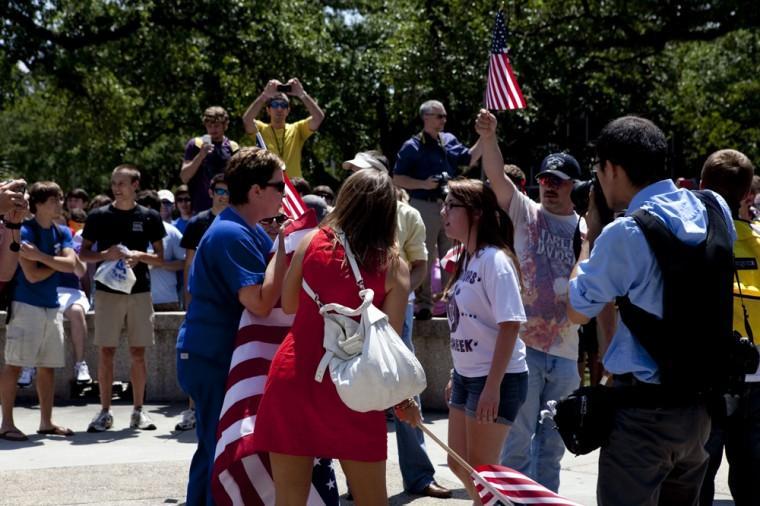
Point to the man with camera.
(206, 157)
(544, 245)
(654, 453)
(730, 174)
(286, 140)
(424, 165)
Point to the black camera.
(443, 184)
(284, 88)
(580, 198)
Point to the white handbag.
(370, 365)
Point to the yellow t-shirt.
(287, 142)
(410, 233)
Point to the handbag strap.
(351, 259)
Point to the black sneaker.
(423, 314)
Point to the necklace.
(279, 143)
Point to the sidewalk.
(126, 467)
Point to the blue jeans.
(532, 448)
(204, 381)
(416, 469)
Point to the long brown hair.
(365, 210)
(495, 228)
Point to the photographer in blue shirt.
(655, 453)
(424, 165)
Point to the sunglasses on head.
(279, 104)
(277, 185)
(279, 219)
(221, 191)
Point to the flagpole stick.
(459, 460)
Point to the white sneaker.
(82, 373)
(140, 420)
(102, 422)
(26, 377)
(188, 420)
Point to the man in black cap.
(544, 246)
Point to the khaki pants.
(436, 242)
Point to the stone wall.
(431, 341)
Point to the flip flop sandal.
(56, 431)
(13, 435)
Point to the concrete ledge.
(431, 342)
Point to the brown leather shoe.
(437, 491)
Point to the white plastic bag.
(116, 275)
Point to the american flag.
(502, 91)
(516, 487)
(240, 476)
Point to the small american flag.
(516, 487)
(502, 92)
(240, 476)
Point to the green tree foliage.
(88, 84)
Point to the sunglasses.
(277, 185)
(437, 115)
(550, 181)
(166, 203)
(279, 104)
(279, 219)
(221, 191)
(182, 199)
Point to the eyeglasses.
(550, 181)
(437, 115)
(279, 219)
(448, 206)
(221, 191)
(279, 104)
(277, 185)
(180, 200)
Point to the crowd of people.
(520, 282)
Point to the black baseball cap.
(560, 165)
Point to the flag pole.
(459, 460)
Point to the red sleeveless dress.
(297, 415)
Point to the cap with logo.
(560, 165)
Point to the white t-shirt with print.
(544, 248)
(487, 293)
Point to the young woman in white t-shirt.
(489, 381)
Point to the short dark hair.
(99, 201)
(41, 191)
(637, 145)
(219, 178)
(215, 114)
(149, 199)
(128, 169)
(301, 185)
(728, 173)
(183, 188)
(247, 167)
(78, 193)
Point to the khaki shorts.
(111, 311)
(34, 337)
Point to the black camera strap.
(747, 327)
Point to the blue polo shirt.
(51, 241)
(623, 263)
(231, 255)
(423, 156)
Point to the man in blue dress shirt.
(425, 162)
(655, 455)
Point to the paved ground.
(130, 468)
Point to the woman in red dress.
(298, 418)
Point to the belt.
(633, 393)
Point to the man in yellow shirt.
(284, 139)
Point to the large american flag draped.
(502, 91)
(240, 476)
(516, 487)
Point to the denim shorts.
(465, 393)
